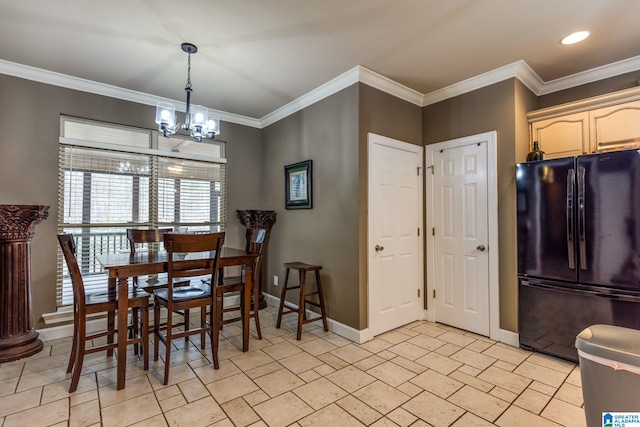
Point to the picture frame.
(298, 185)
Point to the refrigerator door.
(608, 219)
(546, 200)
(551, 314)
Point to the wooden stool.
(303, 269)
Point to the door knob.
(379, 248)
(481, 248)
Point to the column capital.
(17, 222)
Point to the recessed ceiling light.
(576, 37)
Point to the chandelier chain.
(189, 71)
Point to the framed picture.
(297, 185)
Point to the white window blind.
(105, 187)
(190, 194)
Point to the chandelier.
(198, 121)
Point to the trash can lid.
(611, 342)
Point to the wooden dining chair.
(195, 295)
(139, 237)
(85, 304)
(136, 237)
(235, 284)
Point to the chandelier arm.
(171, 130)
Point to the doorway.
(395, 238)
(462, 243)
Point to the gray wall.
(30, 122)
(327, 133)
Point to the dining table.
(122, 266)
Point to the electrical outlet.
(275, 280)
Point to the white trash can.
(610, 371)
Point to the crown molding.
(519, 69)
(83, 85)
(359, 74)
(385, 84)
(335, 85)
(599, 73)
(523, 72)
(528, 77)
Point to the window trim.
(135, 150)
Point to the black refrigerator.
(578, 222)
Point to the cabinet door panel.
(616, 126)
(562, 136)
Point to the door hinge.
(433, 168)
(434, 293)
(433, 231)
(418, 169)
(418, 231)
(418, 293)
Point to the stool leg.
(301, 307)
(282, 295)
(322, 310)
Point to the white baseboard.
(355, 335)
(336, 327)
(66, 331)
(509, 338)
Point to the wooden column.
(259, 219)
(18, 339)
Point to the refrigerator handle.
(570, 245)
(582, 242)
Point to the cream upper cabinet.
(602, 123)
(562, 136)
(615, 127)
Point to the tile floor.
(423, 374)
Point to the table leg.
(246, 306)
(123, 312)
(111, 316)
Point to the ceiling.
(255, 56)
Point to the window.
(113, 177)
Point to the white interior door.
(461, 263)
(395, 242)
